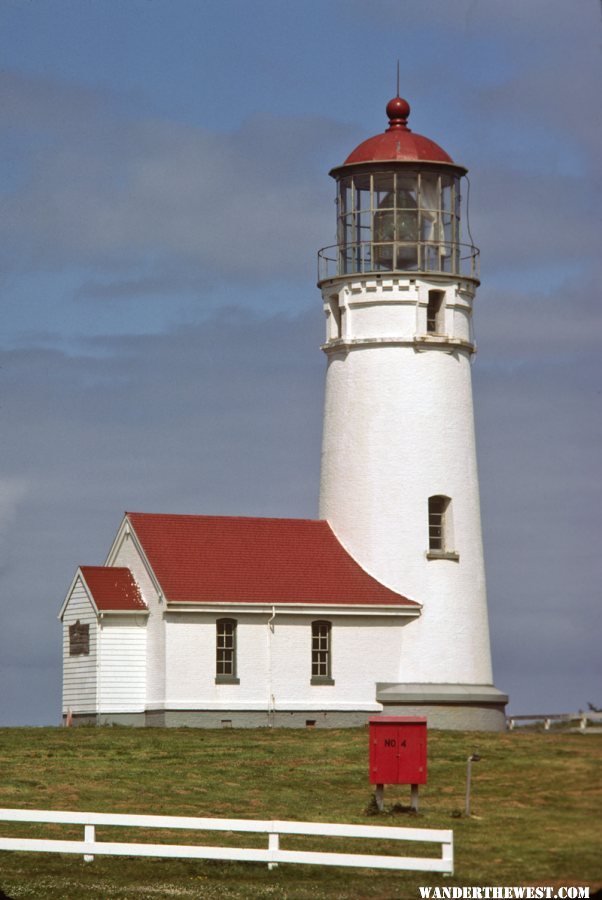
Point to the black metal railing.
(415, 257)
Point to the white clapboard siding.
(80, 672)
(122, 682)
(127, 554)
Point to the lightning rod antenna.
(397, 95)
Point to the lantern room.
(398, 207)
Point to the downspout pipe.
(270, 694)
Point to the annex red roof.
(113, 588)
(223, 559)
(398, 142)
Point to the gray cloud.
(100, 189)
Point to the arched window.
(440, 528)
(225, 651)
(321, 652)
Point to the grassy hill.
(536, 804)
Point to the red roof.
(398, 142)
(113, 588)
(224, 559)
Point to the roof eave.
(360, 164)
(124, 612)
(411, 610)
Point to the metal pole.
(379, 796)
(473, 758)
(414, 798)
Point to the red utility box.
(398, 750)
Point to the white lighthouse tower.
(399, 482)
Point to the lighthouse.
(399, 483)
(378, 606)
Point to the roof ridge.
(229, 518)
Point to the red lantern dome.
(398, 142)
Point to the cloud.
(13, 492)
(102, 190)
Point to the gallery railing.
(415, 257)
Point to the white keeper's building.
(380, 604)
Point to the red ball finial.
(398, 111)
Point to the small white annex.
(203, 620)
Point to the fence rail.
(584, 720)
(273, 855)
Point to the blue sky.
(164, 192)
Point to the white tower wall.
(398, 429)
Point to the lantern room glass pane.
(361, 197)
(446, 193)
(407, 256)
(364, 223)
(348, 229)
(406, 192)
(447, 230)
(429, 192)
(384, 225)
(345, 195)
(406, 225)
(384, 193)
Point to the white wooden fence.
(588, 721)
(273, 855)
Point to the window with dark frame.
(321, 652)
(79, 639)
(437, 509)
(435, 313)
(441, 529)
(225, 650)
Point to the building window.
(79, 639)
(435, 313)
(321, 653)
(225, 652)
(440, 529)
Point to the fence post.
(89, 838)
(447, 854)
(273, 844)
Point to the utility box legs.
(397, 754)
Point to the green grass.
(536, 802)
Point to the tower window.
(225, 667)
(440, 528)
(435, 313)
(321, 653)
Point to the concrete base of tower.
(448, 707)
